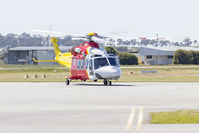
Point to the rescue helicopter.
(88, 60)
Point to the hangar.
(24, 55)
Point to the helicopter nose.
(108, 72)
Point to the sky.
(170, 19)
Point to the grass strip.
(176, 117)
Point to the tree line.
(26, 39)
(186, 57)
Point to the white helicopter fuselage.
(102, 65)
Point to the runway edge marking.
(131, 118)
(140, 118)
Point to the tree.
(145, 42)
(111, 50)
(180, 57)
(186, 57)
(195, 42)
(187, 41)
(128, 59)
(195, 57)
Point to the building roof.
(38, 48)
(175, 48)
(163, 50)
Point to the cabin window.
(96, 55)
(86, 63)
(113, 62)
(91, 65)
(82, 64)
(78, 64)
(74, 62)
(100, 62)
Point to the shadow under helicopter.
(87, 84)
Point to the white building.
(157, 55)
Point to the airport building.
(24, 55)
(157, 55)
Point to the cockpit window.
(100, 62)
(113, 61)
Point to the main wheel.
(105, 82)
(110, 83)
(67, 81)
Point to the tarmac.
(84, 107)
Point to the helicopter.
(88, 61)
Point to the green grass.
(44, 70)
(163, 75)
(27, 66)
(177, 117)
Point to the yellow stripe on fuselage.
(64, 59)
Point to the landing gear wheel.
(105, 82)
(110, 83)
(67, 81)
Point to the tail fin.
(56, 48)
(64, 59)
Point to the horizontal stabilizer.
(43, 60)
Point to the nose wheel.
(68, 81)
(107, 82)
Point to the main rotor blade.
(57, 33)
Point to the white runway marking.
(131, 118)
(140, 118)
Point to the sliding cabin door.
(78, 69)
